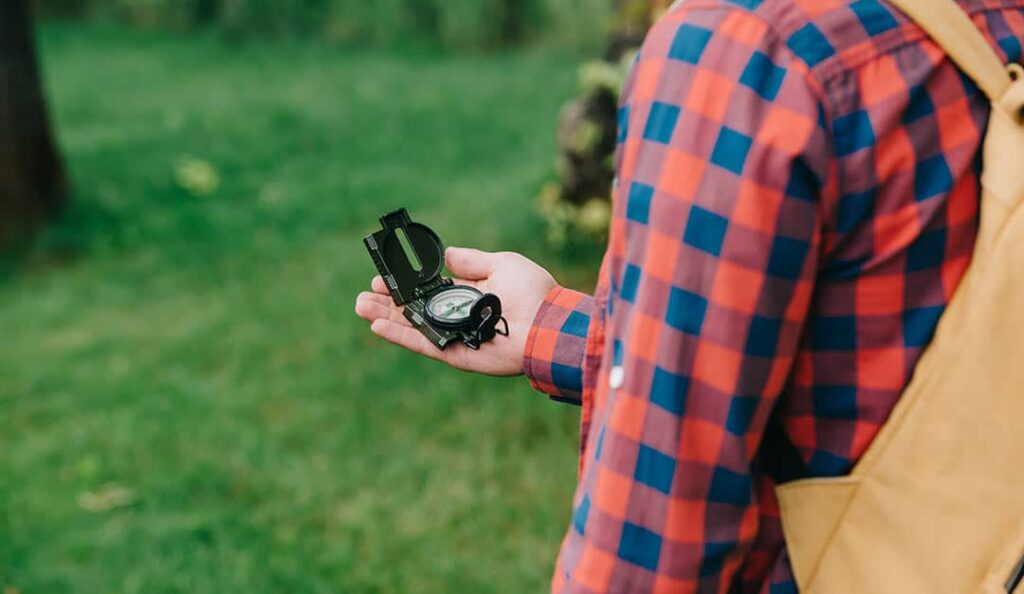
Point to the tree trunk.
(32, 184)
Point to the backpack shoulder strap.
(950, 26)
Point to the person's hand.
(520, 284)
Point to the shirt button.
(616, 378)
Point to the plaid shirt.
(797, 200)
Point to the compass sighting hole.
(410, 253)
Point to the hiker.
(797, 202)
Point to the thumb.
(470, 264)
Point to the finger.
(468, 283)
(406, 337)
(372, 307)
(378, 286)
(470, 264)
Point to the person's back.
(797, 201)
(860, 142)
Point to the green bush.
(273, 17)
(454, 24)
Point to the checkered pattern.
(797, 200)
(557, 342)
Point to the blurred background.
(187, 400)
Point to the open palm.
(520, 283)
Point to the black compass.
(410, 258)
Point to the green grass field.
(187, 401)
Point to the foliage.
(577, 206)
(189, 403)
(458, 24)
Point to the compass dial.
(452, 307)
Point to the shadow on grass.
(77, 231)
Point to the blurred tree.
(578, 204)
(632, 20)
(32, 184)
(206, 11)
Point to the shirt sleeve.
(553, 360)
(724, 157)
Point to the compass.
(410, 257)
(451, 307)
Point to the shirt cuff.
(553, 360)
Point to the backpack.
(936, 505)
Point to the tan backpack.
(936, 506)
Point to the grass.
(189, 403)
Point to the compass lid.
(409, 256)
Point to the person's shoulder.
(816, 32)
(829, 36)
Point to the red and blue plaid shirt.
(797, 200)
